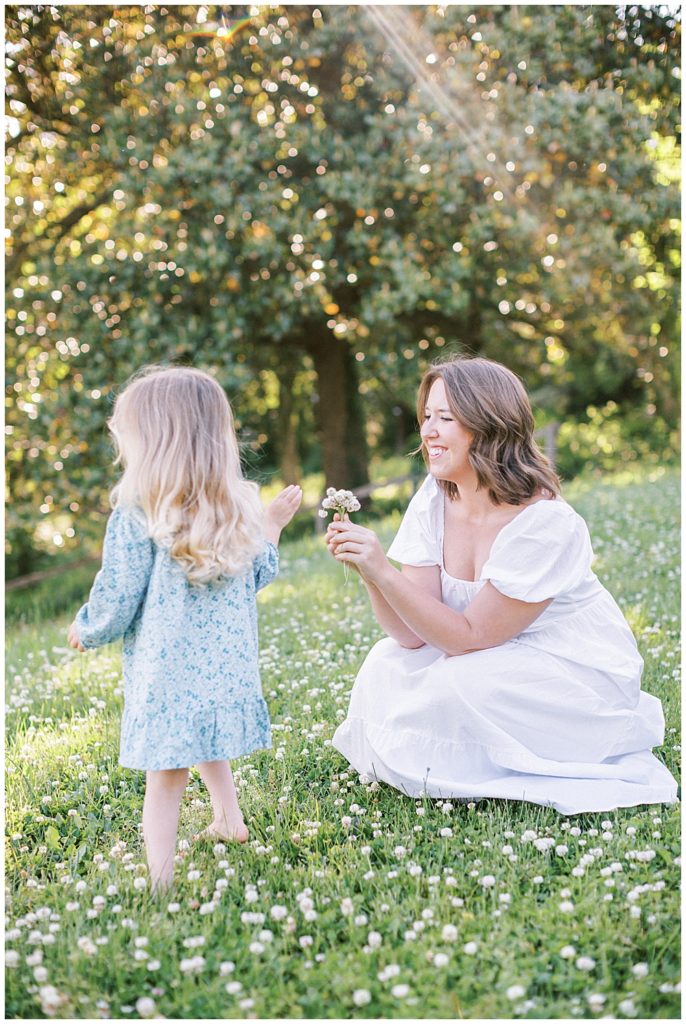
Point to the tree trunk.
(289, 459)
(342, 433)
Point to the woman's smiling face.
(445, 440)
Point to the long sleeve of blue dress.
(266, 565)
(120, 586)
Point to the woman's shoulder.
(427, 505)
(428, 494)
(546, 518)
(555, 507)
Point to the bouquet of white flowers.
(338, 501)
(341, 502)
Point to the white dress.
(556, 716)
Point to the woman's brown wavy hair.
(492, 404)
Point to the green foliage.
(319, 833)
(314, 217)
(607, 439)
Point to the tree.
(327, 200)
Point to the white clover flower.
(87, 945)
(567, 907)
(277, 913)
(400, 991)
(347, 906)
(226, 967)
(339, 501)
(192, 965)
(51, 999)
(628, 1008)
(585, 963)
(305, 941)
(470, 948)
(449, 933)
(145, 1006)
(515, 992)
(374, 940)
(596, 1001)
(441, 960)
(233, 988)
(640, 970)
(12, 958)
(567, 952)
(488, 881)
(361, 997)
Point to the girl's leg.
(163, 793)
(227, 822)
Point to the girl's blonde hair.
(174, 434)
(492, 404)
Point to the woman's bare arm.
(490, 620)
(423, 578)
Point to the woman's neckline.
(458, 579)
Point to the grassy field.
(350, 900)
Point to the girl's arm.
(277, 514)
(490, 620)
(280, 511)
(120, 585)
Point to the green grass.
(343, 858)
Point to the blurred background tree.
(314, 204)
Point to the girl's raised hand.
(280, 511)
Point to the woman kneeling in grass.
(508, 671)
(187, 547)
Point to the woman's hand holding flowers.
(359, 546)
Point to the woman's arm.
(423, 578)
(490, 620)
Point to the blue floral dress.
(192, 688)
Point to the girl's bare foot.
(219, 832)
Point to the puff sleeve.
(419, 538)
(266, 566)
(120, 586)
(545, 552)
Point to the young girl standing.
(187, 547)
